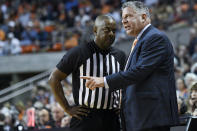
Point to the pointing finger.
(85, 77)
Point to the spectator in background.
(73, 41)
(31, 118)
(45, 121)
(189, 79)
(29, 35)
(42, 95)
(192, 107)
(185, 13)
(20, 108)
(193, 41)
(181, 89)
(178, 70)
(2, 42)
(9, 123)
(43, 36)
(70, 18)
(87, 34)
(57, 114)
(183, 58)
(14, 44)
(66, 121)
(15, 28)
(24, 15)
(82, 17)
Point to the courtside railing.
(21, 87)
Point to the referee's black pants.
(97, 120)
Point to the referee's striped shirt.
(90, 60)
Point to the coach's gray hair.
(139, 7)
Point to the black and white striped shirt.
(90, 60)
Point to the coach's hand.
(77, 111)
(93, 82)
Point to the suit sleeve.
(152, 53)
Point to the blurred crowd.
(28, 26)
(39, 111)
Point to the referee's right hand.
(77, 111)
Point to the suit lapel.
(134, 50)
(138, 44)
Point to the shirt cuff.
(105, 83)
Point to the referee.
(94, 110)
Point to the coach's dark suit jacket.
(149, 96)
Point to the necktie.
(134, 44)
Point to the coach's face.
(105, 33)
(132, 21)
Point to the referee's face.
(105, 33)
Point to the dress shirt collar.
(142, 31)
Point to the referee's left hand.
(93, 82)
